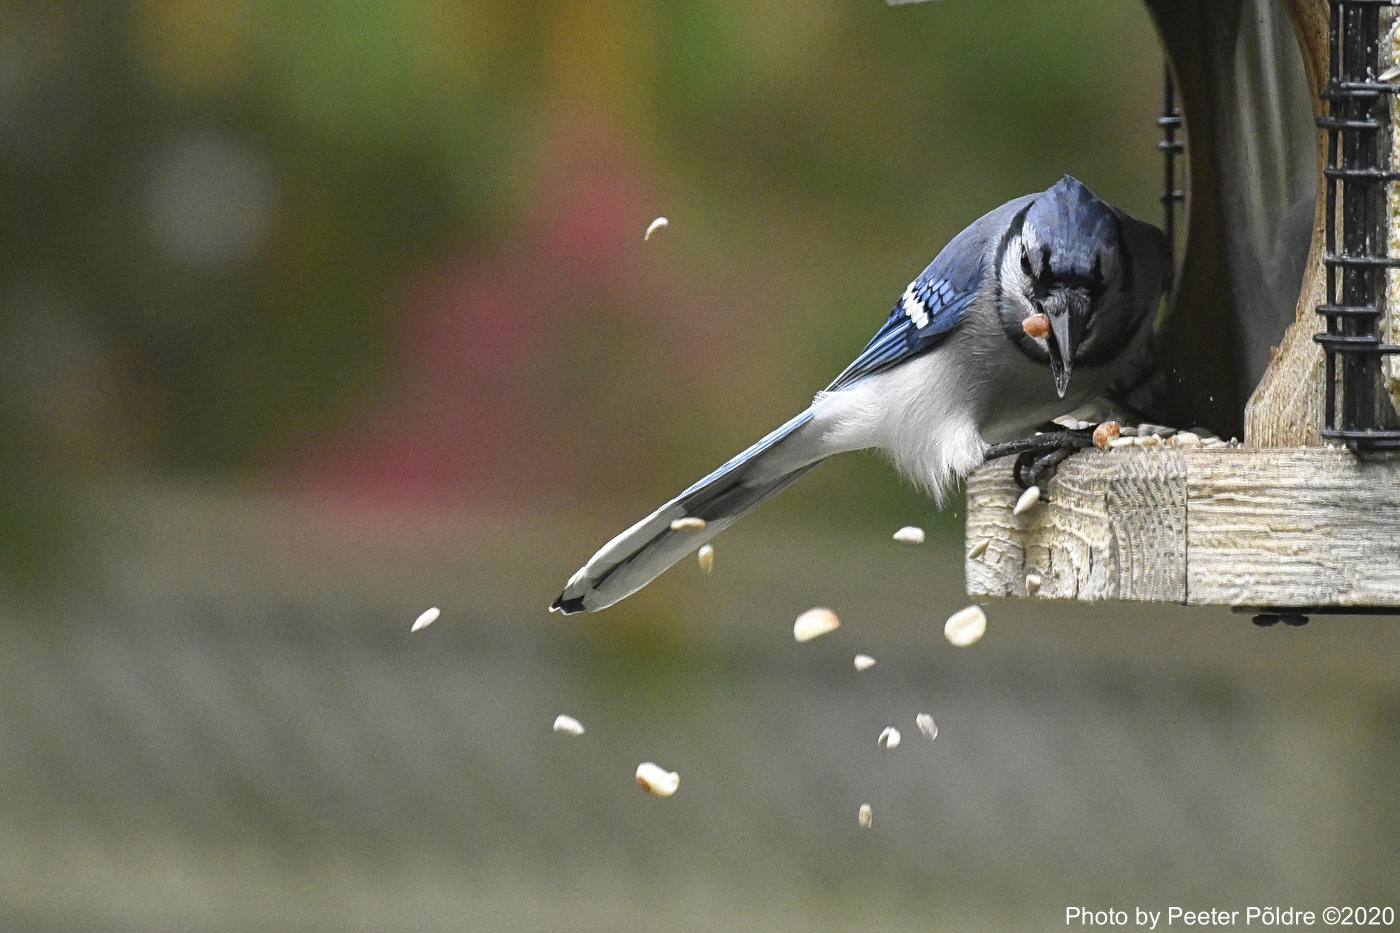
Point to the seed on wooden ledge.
(889, 737)
(1127, 430)
(926, 725)
(1390, 74)
(1065, 421)
(965, 626)
(428, 617)
(1122, 442)
(864, 816)
(814, 622)
(689, 523)
(1029, 500)
(1148, 440)
(1036, 326)
(654, 226)
(1032, 584)
(909, 534)
(979, 549)
(567, 725)
(1187, 439)
(706, 558)
(1104, 433)
(863, 662)
(655, 779)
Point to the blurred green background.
(317, 314)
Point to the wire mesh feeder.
(1172, 149)
(1357, 410)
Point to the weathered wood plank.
(1114, 529)
(1147, 522)
(991, 493)
(1299, 527)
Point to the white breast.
(918, 414)
(935, 415)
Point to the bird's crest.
(1071, 228)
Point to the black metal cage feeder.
(1357, 411)
(1172, 149)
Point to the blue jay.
(952, 371)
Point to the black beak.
(1067, 309)
(1061, 347)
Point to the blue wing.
(935, 302)
(928, 310)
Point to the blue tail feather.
(641, 553)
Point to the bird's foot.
(1037, 456)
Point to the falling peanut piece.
(706, 558)
(814, 622)
(567, 725)
(656, 780)
(910, 534)
(965, 626)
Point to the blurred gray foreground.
(232, 729)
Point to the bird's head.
(1059, 262)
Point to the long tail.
(639, 555)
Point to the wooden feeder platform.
(1303, 529)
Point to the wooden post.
(1286, 408)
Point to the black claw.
(1024, 462)
(1043, 470)
(567, 606)
(1037, 456)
